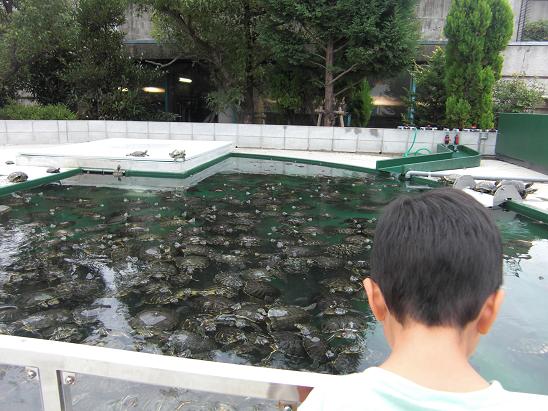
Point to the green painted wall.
(524, 138)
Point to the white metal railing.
(57, 364)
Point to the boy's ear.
(489, 311)
(376, 299)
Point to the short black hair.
(436, 257)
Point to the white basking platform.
(108, 154)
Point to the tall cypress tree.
(477, 32)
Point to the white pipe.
(413, 173)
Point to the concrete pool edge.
(37, 182)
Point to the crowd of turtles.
(263, 270)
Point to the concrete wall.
(138, 24)
(350, 140)
(528, 58)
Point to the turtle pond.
(250, 268)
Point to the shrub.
(517, 95)
(14, 111)
(536, 31)
(361, 105)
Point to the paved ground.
(488, 167)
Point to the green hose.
(416, 153)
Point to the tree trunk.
(8, 6)
(329, 97)
(249, 106)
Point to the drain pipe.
(413, 173)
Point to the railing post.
(50, 389)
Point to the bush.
(536, 31)
(361, 105)
(517, 95)
(13, 111)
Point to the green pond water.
(243, 268)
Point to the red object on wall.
(457, 137)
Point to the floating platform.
(110, 153)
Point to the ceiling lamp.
(185, 80)
(154, 90)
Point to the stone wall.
(350, 140)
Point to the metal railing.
(57, 366)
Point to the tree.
(360, 105)
(35, 46)
(517, 95)
(222, 35)
(71, 52)
(477, 32)
(430, 97)
(348, 40)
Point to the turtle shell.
(261, 289)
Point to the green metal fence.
(523, 138)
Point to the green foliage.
(536, 31)
(458, 112)
(361, 105)
(220, 34)
(35, 44)
(344, 41)
(71, 52)
(102, 68)
(430, 95)
(132, 105)
(13, 111)
(517, 95)
(477, 32)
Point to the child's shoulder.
(378, 389)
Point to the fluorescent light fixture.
(154, 90)
(185, 80)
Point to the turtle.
(523, 188)
(10, 162)
(215, 290)
(288, 343)
(212, 304)
(234, 320)
(346, 249)
(250, 311)
(138, 153)
(154, 321)
(262, 290)
(336, 325)
(53, 170)
(340, 285)
(346, 363)
(17, 177)
(201, 324)
(178, 154)
(262, 274)
(286, 317)
(191, 263)
(9, 313)
(296, 265)
(317, 348)
(325, 262)
(67, 333)
(187, 344)
(229, 336)
(488, 187)
(230, 280)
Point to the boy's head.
(437, 258)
